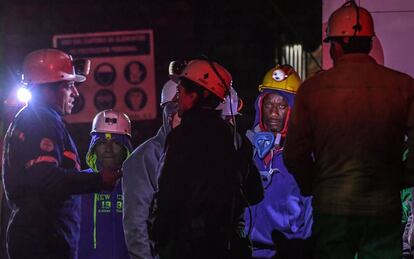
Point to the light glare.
(23, 95)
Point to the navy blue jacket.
(41, 179)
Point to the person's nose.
(75, 92)
(108, 147)
(274, 112)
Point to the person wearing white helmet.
(345, 144)
(199, 200)
(140, 180)
(231, 106)
(41, 164)
(102, 234)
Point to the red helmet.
(49, 66)
(210, 75)
(350, 20)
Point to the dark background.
(243, 37)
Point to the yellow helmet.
(281, 77)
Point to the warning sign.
(122, 74)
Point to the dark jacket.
(199, 188)
(346, 137)
(41, 179)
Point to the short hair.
(36, 89)
(355, 44)
(210, 100)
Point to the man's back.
(197, 188)
(356, 114)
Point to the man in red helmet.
(41, 165)
(199, 202)
(345, 144)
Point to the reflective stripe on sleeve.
(41, 159)
(72, 156)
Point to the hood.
(263, 140)
(123, 140)
(258, 125)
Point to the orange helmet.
(210, 75)
(49, 66)
(350, 20)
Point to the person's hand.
(109, 177)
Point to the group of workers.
(318, 175)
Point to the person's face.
(274, 110)
(65, 97)
(109, 154)
(185, 99)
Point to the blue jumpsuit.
(283, 214)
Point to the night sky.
(243, 37)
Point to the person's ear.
(193, 96)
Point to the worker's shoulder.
(394, 73)
(313, 81)
(40, 116)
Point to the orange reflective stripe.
(41, 159)
(72, 156)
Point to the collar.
(355, 57)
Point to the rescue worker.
(281, 223)
(199, 201)
(346, 140)
(102, 234)
(41, 165)
(140, 180)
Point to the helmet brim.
(72, 77)
(79, 78)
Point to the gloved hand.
(109, 178)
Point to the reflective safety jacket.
(41, 179)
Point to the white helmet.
(110, 121)
(169, 91)
(49, 66)
(231, 105)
